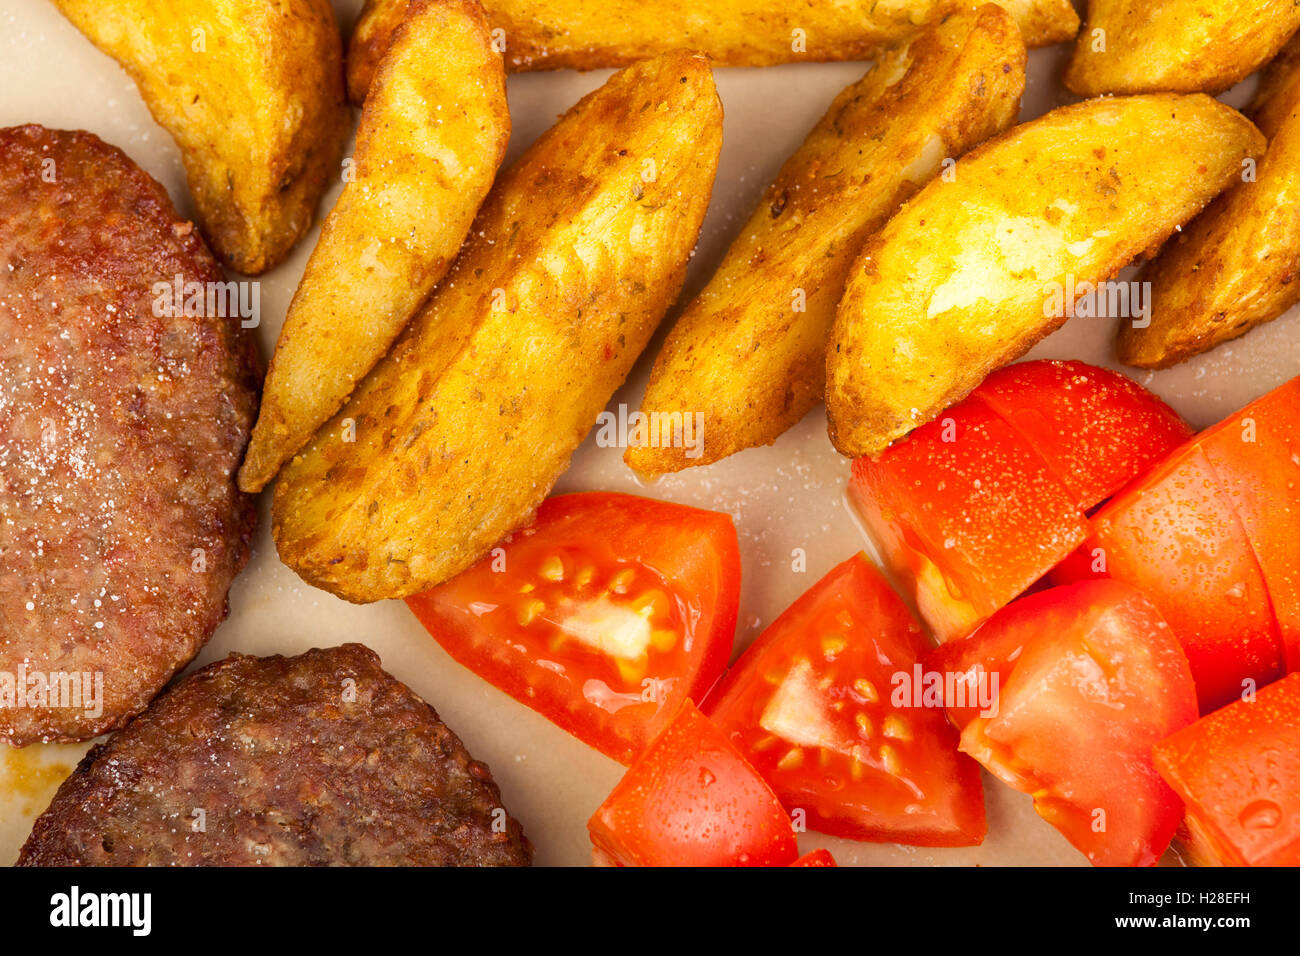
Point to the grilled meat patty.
(122, 424)
(320, 759)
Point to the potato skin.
(463, 428)
(589, 34)
(1236, 265)
(740, 354)
(1177, 46)
(431, 138)
(258, 113)
(1279, 90)
(957, 283)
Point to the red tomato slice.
(1086, 562)
(691, 799)
(1078, 716)
(1095, 428)
(816, 858)
(1175, 536)
(976, 507)
(1256, 458)
(1238, 771)
(603, 615)
(811, 705)
(966, 514)
(975, 668)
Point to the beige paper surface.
(787, 496)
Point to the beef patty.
(321, 759)
(121, 428)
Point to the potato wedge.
(252, 92)
(587, 34)
(431, 137)
(1235, 267)
(967, 276)
(1279, 90)
(1176, 46)
(749, 353)
(463, 428)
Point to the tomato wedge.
(816, 858)
(1256, 458)
(691, 799)
(1238, 771)
(974, 669)
(966, 514)
(973, 508)
(603, 615)
(1097, 683)
(811, 704)
(1175, 536)
(1095, 428)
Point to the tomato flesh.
(1255, 455)
(976, 507)
(821, 857)
(1096, 684)
(966, 514)
(1238, 772)
(604, 614)
(1095, 428)
(1175, 536)
(977, 667)
(691, 799)
(812, 705)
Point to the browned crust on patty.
(121, 430)
(320, 759)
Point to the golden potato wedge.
(252, 92)
(748, 355)
(1176, 46)
(460, 432)
(1235, 267)
(1279, 90)
(970, 273)
(587, 34)
(432, 135)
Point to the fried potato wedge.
(1176, 46)
(582, 35)
(252, 92)
(748, 355)
(432, 135)
(1279, 90)
(460, 432)
(1236, 266)
(972, 272)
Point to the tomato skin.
(811, 705)
(691, 799)
(1255, 455)
(978, 506)
(820, 857)
(1238, 772)
(1212, 535)
(1078, 715)
(968, 523)
(1175, 536)
(1095, 428)
(997, 645)
(691, 561)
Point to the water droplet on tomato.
(707, 777)
(1260, 815)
